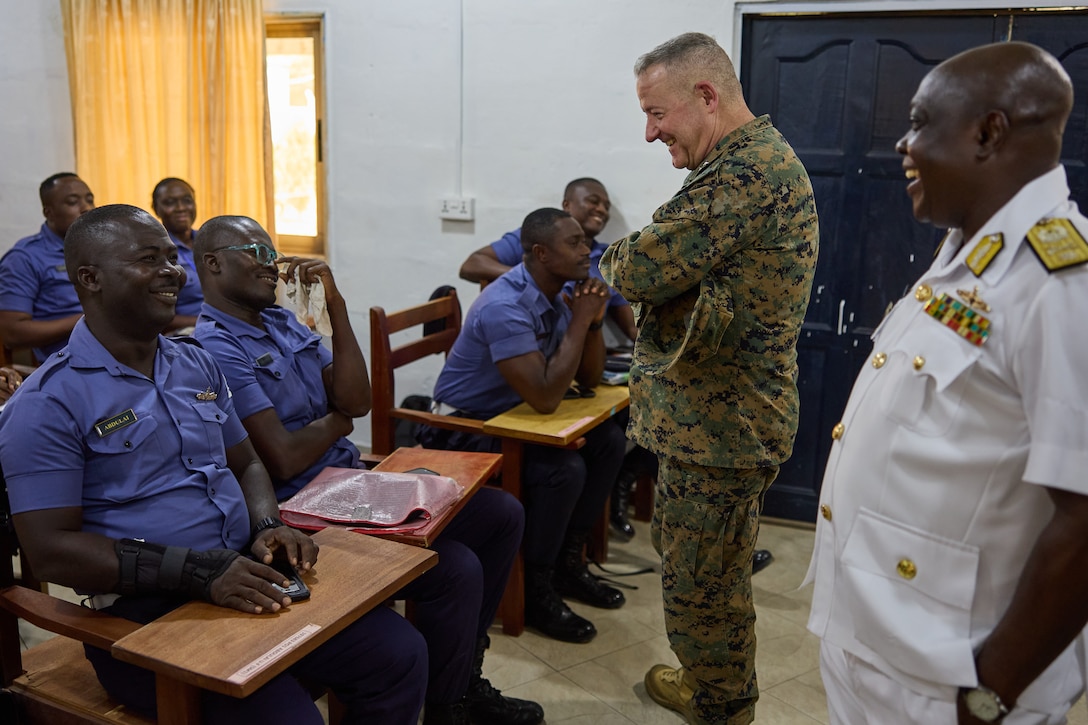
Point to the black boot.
(487, 706)
(572, 578)
(549, 614)
(455, 714)
(621, 497)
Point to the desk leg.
(178, 702)
(512, 607)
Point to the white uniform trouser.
(858, 693)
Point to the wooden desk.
(572, 420)
(203, 646)
(564, 428)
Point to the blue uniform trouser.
(566, 485)
(456, 600)
(563, 490)
(376, 667)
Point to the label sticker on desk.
(575, 426)
(248, 671)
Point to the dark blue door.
(838, 86)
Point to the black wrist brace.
(147, 568)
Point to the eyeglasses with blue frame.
(264, 253)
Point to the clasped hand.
(590, 299)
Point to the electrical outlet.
(458, 208)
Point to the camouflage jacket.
(719, 283)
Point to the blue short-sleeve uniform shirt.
(145, 459)
(511, 317)
(279, 367)
(191, 297)
(508, 250)
(33, 280)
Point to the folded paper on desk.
(374, 500)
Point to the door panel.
(839, 89)
(1065, 35)
(839, 86)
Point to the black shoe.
(454, 714)
(760, 560)
(550, 615)
(617, 514)
(487, 706)
(572, 579)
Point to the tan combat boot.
(671, 687)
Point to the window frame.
(305, 25)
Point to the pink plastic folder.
(377, 500)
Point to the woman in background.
(175, 205)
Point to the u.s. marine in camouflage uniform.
(721, 282)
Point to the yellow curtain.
(171, 88)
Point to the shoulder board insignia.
(984, 252)
(1058, 244)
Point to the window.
(296, 105)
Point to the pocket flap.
(671, 333)
(209, 412)
(938, 567)
(123, 440)
(946, 355)
(910, 594)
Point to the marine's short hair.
(694, 54)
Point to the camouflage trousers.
(704, 527)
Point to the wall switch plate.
(458, 208)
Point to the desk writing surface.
(572, 419)
(232, 652)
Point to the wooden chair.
(439, 338)
(54, 684)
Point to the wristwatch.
(984, 704)
(267, 522)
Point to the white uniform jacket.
(933, 495)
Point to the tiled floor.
(600, 683)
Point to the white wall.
(497, 100)
(36, 121)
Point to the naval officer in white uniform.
(951, 560)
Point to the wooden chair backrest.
(385, 359)
(61, 686)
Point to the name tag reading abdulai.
(110, 425)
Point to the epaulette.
(188, 339)
(1058, 244)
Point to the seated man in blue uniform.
(525, 340)
(132, 480)
(297, 401)
(174, 203)
(38, 304)
(586, 200)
